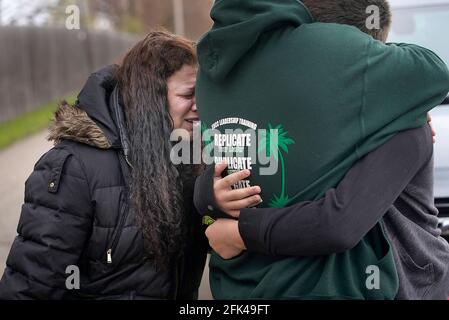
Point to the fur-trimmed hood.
(72, 123)
(97, 118)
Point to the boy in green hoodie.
(340, 94)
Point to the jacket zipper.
(124, 209)
(118, 234)
(109, 258)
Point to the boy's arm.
(342, 218)
(402, 83)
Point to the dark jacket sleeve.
(339, 221)
(196, 250)
(55, 223)
(204, 198)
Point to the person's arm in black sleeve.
(338, 221)
(54, 226)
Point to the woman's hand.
(225, 239)
(232, 201)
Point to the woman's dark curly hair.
(158, 186)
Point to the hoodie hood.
(97, 119)
(237, 27)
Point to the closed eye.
(187, 96)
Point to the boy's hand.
(232, 201)
(434, 134)
(225, 239)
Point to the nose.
(194, 108)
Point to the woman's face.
(181, 98)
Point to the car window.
(425, 26)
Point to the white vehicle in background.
(426, 23)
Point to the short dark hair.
(352, 12)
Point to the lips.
(192, 120)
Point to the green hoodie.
(333, 94)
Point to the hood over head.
(97, 119)
(237, 27)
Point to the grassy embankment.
(28, 123)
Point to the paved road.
(16, 164)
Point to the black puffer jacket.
(76, 213)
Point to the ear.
(385, 34)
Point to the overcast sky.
(401, 3)
(23, 10)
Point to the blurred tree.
(187, 17)
(197, 17)
(57, 13)
(192, 16)
(122, 14)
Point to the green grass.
(28, 123)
